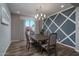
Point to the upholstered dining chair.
(51, 44)
(28, 40)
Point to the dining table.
(39, 37)
(38, 40)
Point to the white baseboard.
(76, 50)
(6, 48)
(69, 46)
(15, 40)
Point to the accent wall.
(63, 23)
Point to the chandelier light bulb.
(62, 6)
(37, 15)
(44, 15)
(41, 14)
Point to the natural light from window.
(30, 22)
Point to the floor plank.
(18, 48)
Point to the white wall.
(5, 33)
(77, 28)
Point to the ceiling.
(29, 9)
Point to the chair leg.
(41, 51)
(48, 53)
(55, 51)
(28, 46)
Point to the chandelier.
(39, 14)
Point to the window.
(30, 22)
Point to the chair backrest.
(46, 33)
(27, 36)
(52, 38)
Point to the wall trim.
(69, 46)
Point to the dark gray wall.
(63, 23)
(5, 32)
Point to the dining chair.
(46, 34)
(29, 40)
(51, 44)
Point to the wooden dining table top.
(39, 37)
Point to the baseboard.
(16, 40)
(76, 50)
(69, 46)
(6, 48)
(9, 45)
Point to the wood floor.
(18, 48)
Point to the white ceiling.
(29, 9)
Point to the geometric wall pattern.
(63, 23)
